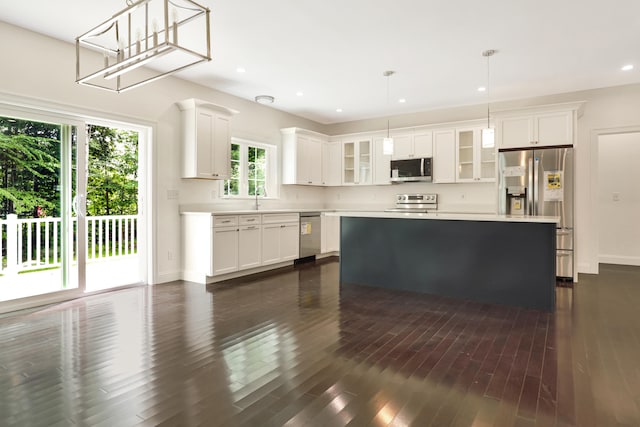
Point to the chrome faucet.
(264, 194)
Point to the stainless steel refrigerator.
(539, 182)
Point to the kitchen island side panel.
(510, 263)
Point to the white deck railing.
(35, 243)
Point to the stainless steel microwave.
(410, 170)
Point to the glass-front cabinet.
(357, 162)
(475, 160)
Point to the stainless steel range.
(415, 203)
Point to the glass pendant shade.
(488, 138)
(387, 146)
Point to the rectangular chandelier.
(166, 35)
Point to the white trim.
(47, 111)
(619, 259)
(591, 264)
(273, 189)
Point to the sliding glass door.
(41, 234)
(115, 226)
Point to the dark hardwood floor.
(293, 348)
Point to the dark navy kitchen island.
(486, 258)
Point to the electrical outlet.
(170, 256)
(173, 194)
(462, 196)
(615, 197)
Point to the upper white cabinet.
(357, 161)
(411, 145)
(382, 163)
(475, 163)
(544, 126)
(331, 163)
(206, 139)
(302, 158)
(444, 156)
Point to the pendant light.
(488, 133)
(387, 143)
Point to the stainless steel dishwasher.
(310, 234)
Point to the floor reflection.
(294, 347)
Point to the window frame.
(271, 170)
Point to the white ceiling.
(335, 51)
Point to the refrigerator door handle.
(530, 196)
(536, 183)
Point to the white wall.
(606, 111)
(49, 75)
(619, 198)
(40, 71)
(451, 197)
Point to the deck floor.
(294, 348)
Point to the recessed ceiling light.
(627, 67)
(402, 100)
(299, 93)
(338, 110)
(264, 99)
(241, 69)
(482, 89)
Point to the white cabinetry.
(206, 139)
(474, 162)
(301, 157)
(382, 163)
(280, 237)
(444, 156)
(357, 161)
(330, 239)
(225, 250)
(249, 242)
(411, 145)
(536, 130)
(331, 163)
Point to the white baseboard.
(619, 259)
(587, 268)
(167, 277)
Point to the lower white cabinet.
(330, 239)
(225, 250)
(215, 245)
(280, 238)
(249, 246)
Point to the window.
(252, 170)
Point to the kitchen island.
(483, 257)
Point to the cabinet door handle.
(282, 226)
(251, 219)
(226, 221)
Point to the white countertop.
(382, 214)
(449, 216)
(251, 211)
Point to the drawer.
(280, 218)
(249, 219)
(225, 220)
(564, 239)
